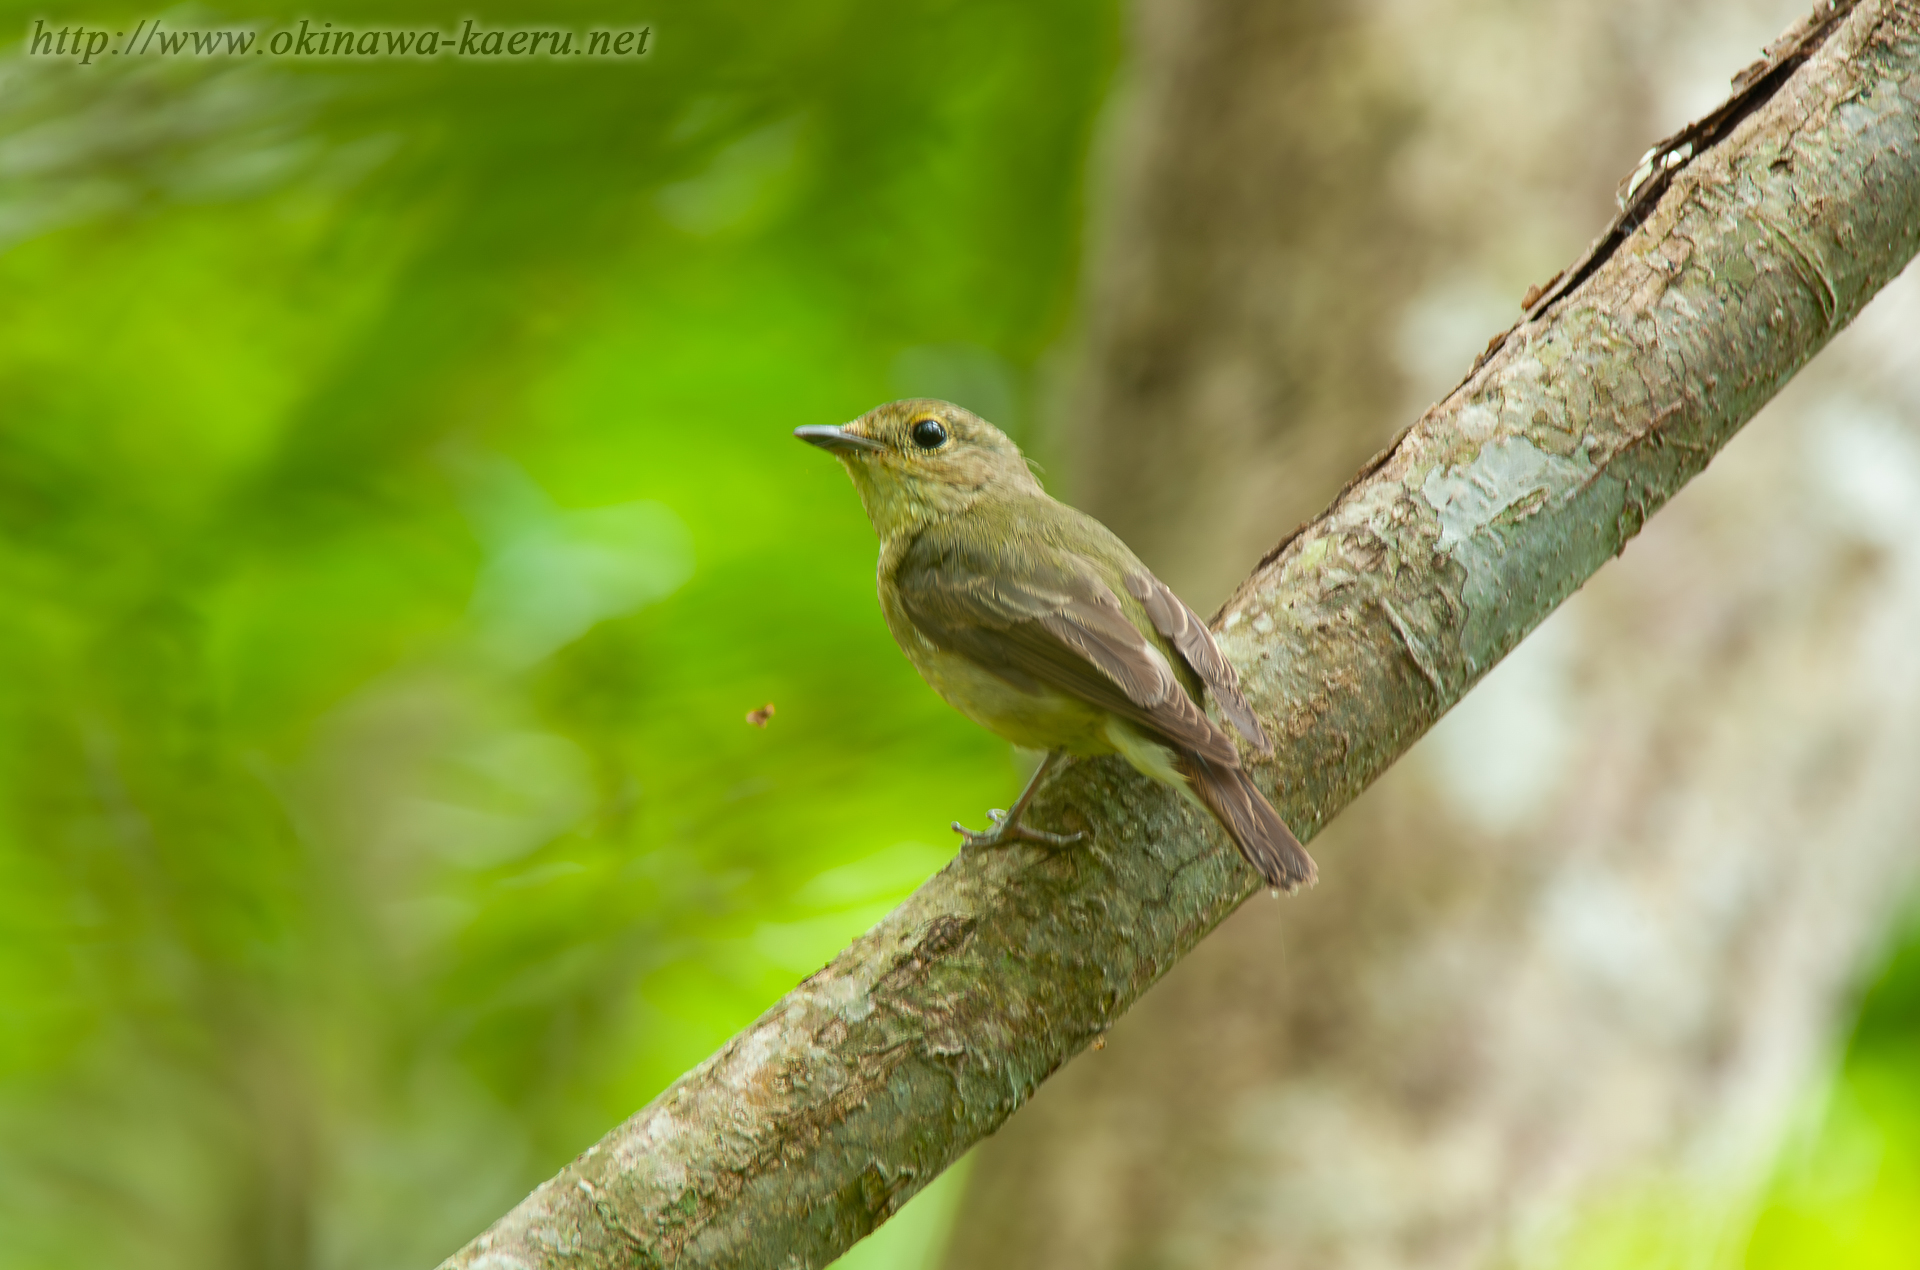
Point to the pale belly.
(1044, 720)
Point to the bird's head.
(920, 460)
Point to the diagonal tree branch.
(1750, 240)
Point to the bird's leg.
(1006, 824)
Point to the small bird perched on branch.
(1036, 622)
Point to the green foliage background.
(398, 518)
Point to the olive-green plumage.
(1034, 620)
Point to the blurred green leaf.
(398, 517)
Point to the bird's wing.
(1173, 619)
(1051, 623)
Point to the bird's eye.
(929, 435)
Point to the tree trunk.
(1598, 930)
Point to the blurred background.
(399, 518)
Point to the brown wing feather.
(1251, 821)
(1173, 619)
(1052, 623)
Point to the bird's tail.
(1256, 828)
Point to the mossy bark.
(1753, 247)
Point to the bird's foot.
(1006, 829)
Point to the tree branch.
(816, 1123)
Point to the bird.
(1037, 622)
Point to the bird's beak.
(839, 440)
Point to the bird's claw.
(1005, 831)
